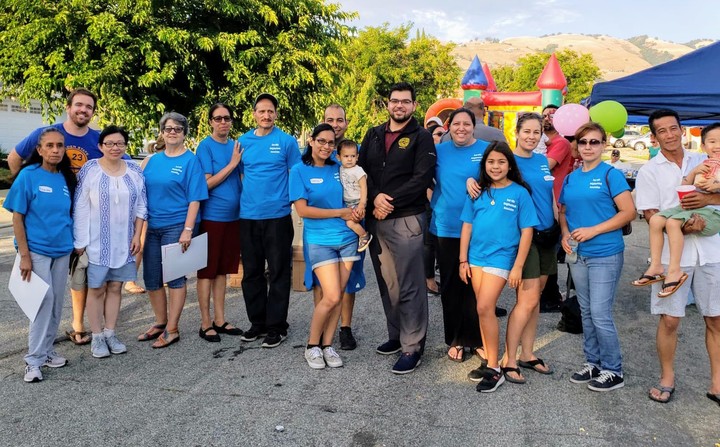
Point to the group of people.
(498, 217)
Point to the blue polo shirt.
(265, 166)
(223, 203)
(497, 219)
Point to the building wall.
(16, 122)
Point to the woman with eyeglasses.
(110, 209)
(331, 250)
(219, 157)
(457, 160)
(595, 203)
(175, 186)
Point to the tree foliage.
(379, 57)
(145, 57)
(580, 70)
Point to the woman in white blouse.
(110, 208)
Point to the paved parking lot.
(235, 393)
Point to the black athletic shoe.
(586, 374)
(607, 381)
(273, 340)
(389, 347)
(252, 334)
(491, 381)
(347, 341)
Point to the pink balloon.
(569, 118)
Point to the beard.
(548, 127)
(401, 119)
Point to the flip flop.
(650, 279)
(663, 389)
(455, 358)
(84, 337)
(713, 397)
(532, 364)
(674, 286)
(505, 370)
(134, 289)
(150, 334)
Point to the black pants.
(429, 244)
(460, 317)
(267, 240)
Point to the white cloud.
(437, 23)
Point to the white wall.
(17, 122)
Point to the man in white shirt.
(655, 188)
(615, 161)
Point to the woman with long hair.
(494, 243)
(40, 200)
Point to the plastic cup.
(684, 190)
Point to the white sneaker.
(54, 360)
(115, 345)
(32, 374)
(98, 347)
(314, 357)
(332, 358)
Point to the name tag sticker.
(45, 189)
(549, 178)
(316, 181)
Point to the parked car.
(622, 141)
(640, 143)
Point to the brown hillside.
(615, 57)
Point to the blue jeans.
(596, 280)
(155, 238)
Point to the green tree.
(144, 57)
(580, 70)
(379, 57)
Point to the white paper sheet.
(29, 295)
(176, 263)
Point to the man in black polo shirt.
(399, 158)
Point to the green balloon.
(619, 133)
(609, 114)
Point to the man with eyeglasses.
(81, 145)
(399, 158)
(266, 229)
(482, 132)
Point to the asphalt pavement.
(235, 393)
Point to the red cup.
(684, 190)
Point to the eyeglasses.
(585, 142)
(170, 129)
(324, 142)
(112, 144)
(219, 119)
(438, 134)
(405, 102)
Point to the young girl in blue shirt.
(494, 243)
(41, 201)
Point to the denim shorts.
(319, 255)
(155, 238)
(98, 275)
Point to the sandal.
(224, 329)
(713, 397)
(163, 342)
(480, 353)
(133, 288)
(85, 337)
(154, 332)
(663, 389)
(533, 364)
(459, 354)
(674, 286)
(646, 280)
(213, 338)
(506, 369)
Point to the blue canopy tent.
(689, 85)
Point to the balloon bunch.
(610, 114)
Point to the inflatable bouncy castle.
(504, 106)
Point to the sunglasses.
(592, 142)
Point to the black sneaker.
(273, 340)
(500, 312)
(477, 374)
(252, 334)
(550, 308)
(407, 363)
(586, 374)
(347, 341)
(607, 381)
(389, 347)
(491, 381)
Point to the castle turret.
(474, 82)
(552, 82)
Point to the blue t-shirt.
(223, 204)
(265, 165)
(44, 199)
(589, 201)
(455, 164)
(537, 175)
(321, 187)
(171, 184)
(78, 149)
(496, 224)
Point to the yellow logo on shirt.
(403, 142)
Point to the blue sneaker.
(389, 347)
(407, 363)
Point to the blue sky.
(453, 20)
